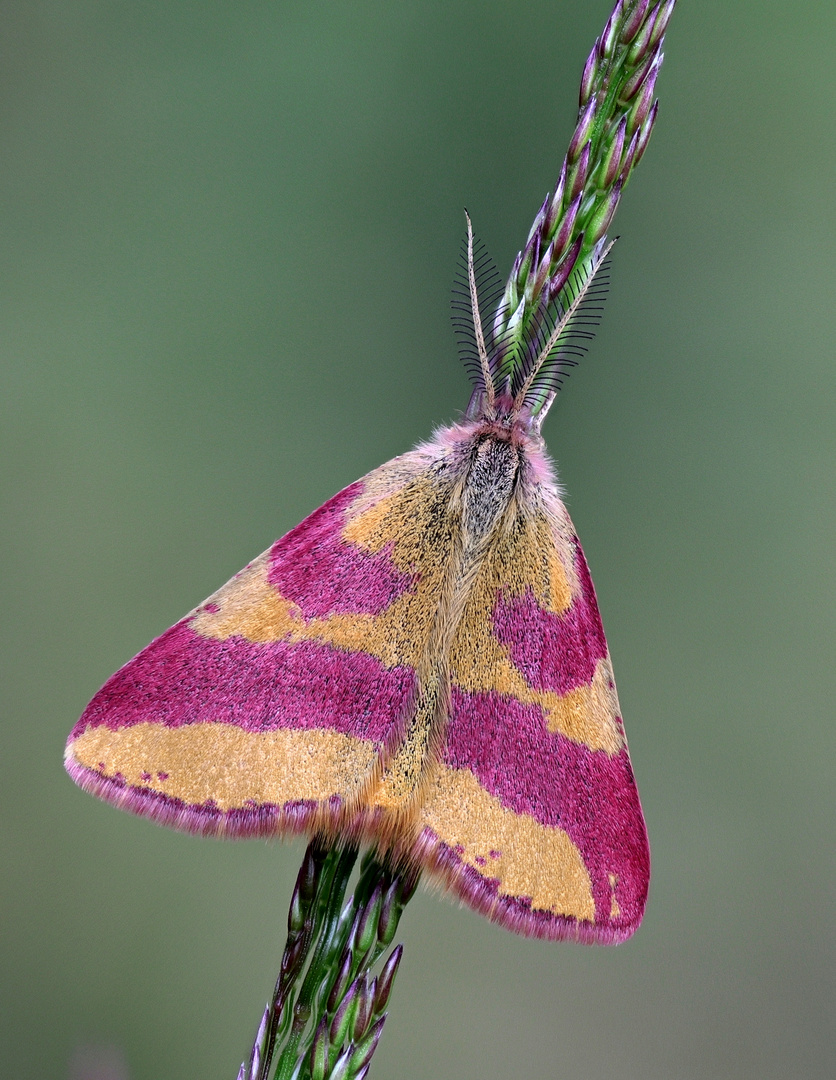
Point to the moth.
(419, 665)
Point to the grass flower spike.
(617, 113)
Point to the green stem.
(331, 1029)
(329, 909)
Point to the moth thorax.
(488, 487)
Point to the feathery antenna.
(477, 287)
(579, 309)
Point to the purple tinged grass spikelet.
(251, 1070)
(579, 172)
(319, 1052)
(564, 233)
(631, 87)
(261, 1037)
(610, 35)
(563, 271)
(293, 954)
(539, 280)
(343, 1020)
(408, 885)
(611, 158)
(557, 201)
(367, 926)
(529, 257)
(660, 24)
(644, 134)
(588, 76)
(341, 983)
(363, 1011)
(390, 911)
(539, 220)
(634, 20)
(627, 160)
(641, 44)
(342, 1066)
(308, 878)
(508, 303)
(582, 131)
(643, 100)
(366, 1046)
(386, 979)
(303, 894)
(602, 216)
(295, 914)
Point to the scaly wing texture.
(532, 814)
(273, 705)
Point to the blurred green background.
(229, 232)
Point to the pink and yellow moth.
(419, 665)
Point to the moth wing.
(272, 705)
(531, 812)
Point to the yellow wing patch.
(527, 859)
(232, 767)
